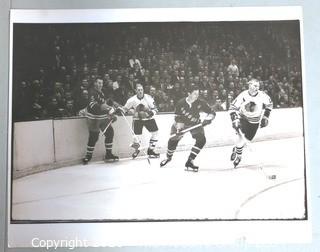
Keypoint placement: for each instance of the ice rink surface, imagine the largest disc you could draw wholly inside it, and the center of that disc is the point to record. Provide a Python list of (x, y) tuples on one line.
[(136, 190)]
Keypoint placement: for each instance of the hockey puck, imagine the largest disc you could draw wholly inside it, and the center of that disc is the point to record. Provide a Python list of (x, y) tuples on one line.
[(272, 176)]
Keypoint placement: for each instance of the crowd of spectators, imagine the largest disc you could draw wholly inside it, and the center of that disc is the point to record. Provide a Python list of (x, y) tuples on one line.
[(55, 64)]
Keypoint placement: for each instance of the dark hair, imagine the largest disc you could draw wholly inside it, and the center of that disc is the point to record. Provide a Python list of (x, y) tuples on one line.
[(192, 87), (98, 78)]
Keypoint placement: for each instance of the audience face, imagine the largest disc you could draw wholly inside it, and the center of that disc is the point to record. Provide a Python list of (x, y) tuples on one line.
[(98, 84), (152, 91), (54, 102), (85, 84), (85, 94)]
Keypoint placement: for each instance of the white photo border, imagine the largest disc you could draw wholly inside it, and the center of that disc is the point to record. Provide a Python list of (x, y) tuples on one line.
[(161, 233)]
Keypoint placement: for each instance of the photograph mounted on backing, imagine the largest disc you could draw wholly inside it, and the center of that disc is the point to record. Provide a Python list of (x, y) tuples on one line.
[(157, 121)]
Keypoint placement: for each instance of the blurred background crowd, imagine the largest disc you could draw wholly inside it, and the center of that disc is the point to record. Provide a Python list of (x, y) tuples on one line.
[(54, 65)]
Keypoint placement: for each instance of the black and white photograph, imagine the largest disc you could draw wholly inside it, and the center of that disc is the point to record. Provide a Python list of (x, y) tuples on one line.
[(162, 121)]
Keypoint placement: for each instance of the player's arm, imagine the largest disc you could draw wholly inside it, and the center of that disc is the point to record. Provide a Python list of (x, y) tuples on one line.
[(267, 105), (129, 107), (180, 118), (234, 111), (211, 114), (152, 109)]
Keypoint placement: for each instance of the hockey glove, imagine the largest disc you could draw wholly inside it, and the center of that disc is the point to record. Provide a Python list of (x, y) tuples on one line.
[(111, 111), (120, 110), (105, 107), (179, 127), (150, 113), (235, 121), (264, 122), (83, 112), (113, 118), (142, 115), (206, 122)]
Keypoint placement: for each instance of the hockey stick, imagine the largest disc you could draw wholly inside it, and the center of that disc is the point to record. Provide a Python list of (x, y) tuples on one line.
[(185, 130), (247, 144), (105, 129), (133, 134)]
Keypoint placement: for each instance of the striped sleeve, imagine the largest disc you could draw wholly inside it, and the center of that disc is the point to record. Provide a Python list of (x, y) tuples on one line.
[(268, 104)]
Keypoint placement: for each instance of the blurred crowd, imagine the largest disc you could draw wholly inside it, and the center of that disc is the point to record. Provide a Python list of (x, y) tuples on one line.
[(55, 64)]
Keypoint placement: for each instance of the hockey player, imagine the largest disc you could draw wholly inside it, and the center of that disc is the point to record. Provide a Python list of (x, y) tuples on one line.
[(248, 111), (143, 109), (187, 114), (100, 117)]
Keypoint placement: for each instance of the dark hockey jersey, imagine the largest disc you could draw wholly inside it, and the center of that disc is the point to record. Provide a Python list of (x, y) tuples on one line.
[(191, 115), (96, 99)]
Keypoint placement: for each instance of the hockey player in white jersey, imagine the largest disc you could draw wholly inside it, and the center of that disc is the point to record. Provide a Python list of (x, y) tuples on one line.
[(248, 111), (143, 109)]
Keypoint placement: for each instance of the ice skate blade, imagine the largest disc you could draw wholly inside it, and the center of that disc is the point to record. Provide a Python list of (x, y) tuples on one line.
[(164, 162), (111, 160), (189, 169), (154, 156)]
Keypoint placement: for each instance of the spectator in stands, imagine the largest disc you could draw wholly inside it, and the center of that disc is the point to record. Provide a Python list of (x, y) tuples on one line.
[(134, 62), (69, 110), (53, 110), (233, 69), (82, 101), (217, 106), (216, 65)]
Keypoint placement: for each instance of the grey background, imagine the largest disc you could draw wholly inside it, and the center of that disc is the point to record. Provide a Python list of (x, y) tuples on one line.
[(311, 28)]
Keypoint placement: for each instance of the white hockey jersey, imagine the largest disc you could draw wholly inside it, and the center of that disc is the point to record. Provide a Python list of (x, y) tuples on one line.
[(251, 107), (147, 101)]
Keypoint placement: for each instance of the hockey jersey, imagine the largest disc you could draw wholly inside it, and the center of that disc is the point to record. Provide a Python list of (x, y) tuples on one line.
[(147, 101), (190, 114), (93, 110), (251, 107)]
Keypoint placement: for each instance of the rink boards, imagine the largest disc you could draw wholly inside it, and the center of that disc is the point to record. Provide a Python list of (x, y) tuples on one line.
[(48, 144)]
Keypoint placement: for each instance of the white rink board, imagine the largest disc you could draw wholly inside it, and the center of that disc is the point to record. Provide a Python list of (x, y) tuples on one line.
[(70, 137)]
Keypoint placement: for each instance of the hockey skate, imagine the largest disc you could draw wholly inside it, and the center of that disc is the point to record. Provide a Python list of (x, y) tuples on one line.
[(136, 152), (234, 154), (237, 161), (165, 161), (190, 164), (152, 154), (109, 157), (86, 159)]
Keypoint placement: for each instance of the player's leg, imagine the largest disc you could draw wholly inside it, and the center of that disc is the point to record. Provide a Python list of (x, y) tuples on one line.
[(247, 133), (152, 127), (172, 145), (137, 129), (93, 126), (199, 136), (108, 141)]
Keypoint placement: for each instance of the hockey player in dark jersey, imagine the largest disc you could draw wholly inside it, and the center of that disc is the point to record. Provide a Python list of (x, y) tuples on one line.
[(100, 116), (187, 114)]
